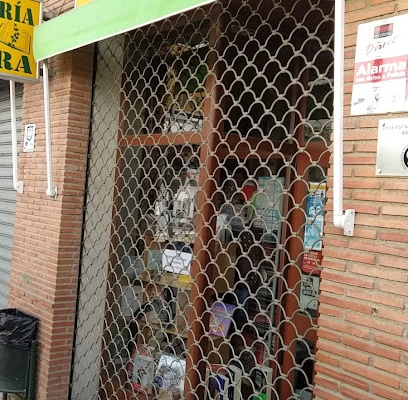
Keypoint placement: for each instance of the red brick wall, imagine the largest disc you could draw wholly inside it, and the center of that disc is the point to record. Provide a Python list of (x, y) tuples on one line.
[(362, 340), (58, 7), (48, 232)]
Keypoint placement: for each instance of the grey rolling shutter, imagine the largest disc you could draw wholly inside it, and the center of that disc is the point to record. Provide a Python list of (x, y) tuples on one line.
[(7, 193)]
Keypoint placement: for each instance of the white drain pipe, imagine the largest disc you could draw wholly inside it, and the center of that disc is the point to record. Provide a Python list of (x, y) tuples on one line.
[(51, 189), (18, 185), (340, 220)]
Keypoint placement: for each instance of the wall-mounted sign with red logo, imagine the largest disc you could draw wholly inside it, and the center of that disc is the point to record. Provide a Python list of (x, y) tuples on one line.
[(381, 67), (382, 31)]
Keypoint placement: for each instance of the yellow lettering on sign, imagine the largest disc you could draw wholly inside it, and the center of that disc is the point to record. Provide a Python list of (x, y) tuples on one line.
[(17, 21), (79, 3)]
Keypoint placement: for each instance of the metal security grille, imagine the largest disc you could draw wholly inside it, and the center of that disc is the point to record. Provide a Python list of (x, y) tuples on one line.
[(205, 205)]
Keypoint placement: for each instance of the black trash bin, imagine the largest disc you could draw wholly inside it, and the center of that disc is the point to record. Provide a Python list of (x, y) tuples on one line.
[(18, 348)]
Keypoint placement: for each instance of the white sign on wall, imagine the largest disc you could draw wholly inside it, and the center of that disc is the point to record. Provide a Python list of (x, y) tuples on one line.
[(381, 67), (29, 138), (392, 147)]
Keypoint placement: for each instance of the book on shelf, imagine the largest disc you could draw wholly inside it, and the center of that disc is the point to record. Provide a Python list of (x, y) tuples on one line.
[(309, 292), (262, 325), (131, 299), (170, 373), (313, 234), (156, 311), (311, 262), (141, 369), (235, 375), (223, 382), (251, 351), (221, 318), (315, 206), (268, 203), (262, 377), (217, 382), (316, 200), (177, 261), (154, 260)]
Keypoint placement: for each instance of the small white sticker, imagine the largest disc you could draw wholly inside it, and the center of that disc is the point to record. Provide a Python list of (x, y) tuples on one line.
[(29, 138)]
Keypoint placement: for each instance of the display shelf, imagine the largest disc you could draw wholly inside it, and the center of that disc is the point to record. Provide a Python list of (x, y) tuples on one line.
[(160, 139), (167, 327), (166, 279), (163, 236), (244, 262)]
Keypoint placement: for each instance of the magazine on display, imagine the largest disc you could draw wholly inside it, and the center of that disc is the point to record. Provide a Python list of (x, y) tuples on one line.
[(221, 318)]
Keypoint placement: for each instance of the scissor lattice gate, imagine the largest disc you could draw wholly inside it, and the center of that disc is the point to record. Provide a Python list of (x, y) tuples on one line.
[(205, 205)]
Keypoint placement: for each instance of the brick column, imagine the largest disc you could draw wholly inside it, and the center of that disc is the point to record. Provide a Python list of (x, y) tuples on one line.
[(47, 235)]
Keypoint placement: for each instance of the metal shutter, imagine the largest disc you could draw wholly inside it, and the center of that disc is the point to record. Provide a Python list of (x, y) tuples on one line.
[(7, 193)]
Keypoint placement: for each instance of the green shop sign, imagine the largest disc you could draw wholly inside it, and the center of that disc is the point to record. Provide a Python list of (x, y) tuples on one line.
[(100, 19)]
